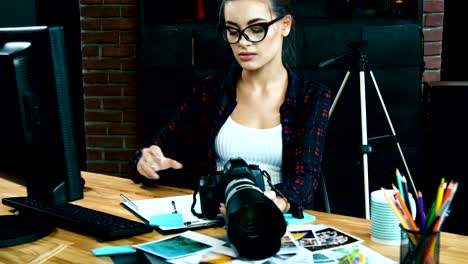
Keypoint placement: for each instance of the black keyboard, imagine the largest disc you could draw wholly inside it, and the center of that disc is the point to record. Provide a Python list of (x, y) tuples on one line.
[(75, 218)]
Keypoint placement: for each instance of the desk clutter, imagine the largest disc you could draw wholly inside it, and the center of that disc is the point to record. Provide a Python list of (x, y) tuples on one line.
[(300, 244), (420, 234)]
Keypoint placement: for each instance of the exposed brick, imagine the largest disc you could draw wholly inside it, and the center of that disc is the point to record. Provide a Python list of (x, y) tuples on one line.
[(100, 11), (130, 65), (433, 6), (129, 11), (90, 51), (94, 128), (431, 75), (122, 128), (118, 51), (100, 37), (433, 34), (129, 37), (123, 77), (122, 102), (119, 24), (101, 64), (90, 24), (432, 62), (92, 154), (104, 90), (104, 141), (91, 1), (106, 116), (432, 48), (120, 1), (123, 155), (95, 77), (434, 20), (92, 103)]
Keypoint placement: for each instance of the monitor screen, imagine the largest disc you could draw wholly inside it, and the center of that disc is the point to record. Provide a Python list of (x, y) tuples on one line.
[(38, 138)]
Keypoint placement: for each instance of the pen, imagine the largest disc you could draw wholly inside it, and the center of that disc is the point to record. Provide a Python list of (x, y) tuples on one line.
[(174, 206), (128, 201)]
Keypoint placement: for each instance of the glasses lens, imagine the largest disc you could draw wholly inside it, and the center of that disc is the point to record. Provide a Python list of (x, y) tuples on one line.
[(231, 35), (255, 33)]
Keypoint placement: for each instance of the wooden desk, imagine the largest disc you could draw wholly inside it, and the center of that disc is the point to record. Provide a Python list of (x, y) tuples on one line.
[(102, 193)]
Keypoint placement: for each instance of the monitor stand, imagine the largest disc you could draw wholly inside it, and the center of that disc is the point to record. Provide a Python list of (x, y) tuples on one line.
[(20, 229)]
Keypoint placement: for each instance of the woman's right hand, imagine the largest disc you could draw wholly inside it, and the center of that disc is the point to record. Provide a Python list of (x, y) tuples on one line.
[(152, 160)]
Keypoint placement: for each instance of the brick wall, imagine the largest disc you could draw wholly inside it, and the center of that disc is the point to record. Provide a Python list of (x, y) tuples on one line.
[(111, 82), (433, 21), (111, 77)]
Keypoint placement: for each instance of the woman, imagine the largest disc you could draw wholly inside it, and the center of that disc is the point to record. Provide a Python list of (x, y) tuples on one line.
[(260, 110)]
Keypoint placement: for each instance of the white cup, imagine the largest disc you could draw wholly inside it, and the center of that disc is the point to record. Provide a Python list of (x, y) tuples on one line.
[(385, 225)]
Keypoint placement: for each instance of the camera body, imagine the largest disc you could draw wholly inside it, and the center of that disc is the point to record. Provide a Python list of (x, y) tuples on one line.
[(218, 187), (253, 222)]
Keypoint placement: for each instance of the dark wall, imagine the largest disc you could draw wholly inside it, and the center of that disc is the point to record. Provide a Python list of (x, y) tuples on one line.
[(44, 12), (445, 142), (17, 13), (455, 55)]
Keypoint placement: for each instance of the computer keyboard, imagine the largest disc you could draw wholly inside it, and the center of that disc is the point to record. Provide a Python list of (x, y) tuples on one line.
[(75, 218)]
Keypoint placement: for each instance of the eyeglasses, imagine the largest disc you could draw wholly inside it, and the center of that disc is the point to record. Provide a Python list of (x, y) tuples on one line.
[(253, 33)]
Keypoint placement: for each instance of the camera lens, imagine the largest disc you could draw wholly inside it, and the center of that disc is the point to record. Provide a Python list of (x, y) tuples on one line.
[(254, 223)]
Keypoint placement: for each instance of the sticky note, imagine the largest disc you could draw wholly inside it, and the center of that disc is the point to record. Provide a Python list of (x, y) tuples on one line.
[(295, 221), (113, 250), (167, 220)]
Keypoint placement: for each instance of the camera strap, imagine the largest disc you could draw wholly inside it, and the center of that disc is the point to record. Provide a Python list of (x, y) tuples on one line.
[(194, 202)]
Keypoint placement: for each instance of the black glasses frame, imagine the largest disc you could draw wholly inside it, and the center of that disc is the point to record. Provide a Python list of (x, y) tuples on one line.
[(264, 25)]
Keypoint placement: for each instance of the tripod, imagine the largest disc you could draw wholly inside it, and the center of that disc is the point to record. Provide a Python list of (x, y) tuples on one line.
[(366, 149)]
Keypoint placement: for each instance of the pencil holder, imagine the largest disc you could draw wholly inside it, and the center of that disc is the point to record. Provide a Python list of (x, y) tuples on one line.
[(419, 247)]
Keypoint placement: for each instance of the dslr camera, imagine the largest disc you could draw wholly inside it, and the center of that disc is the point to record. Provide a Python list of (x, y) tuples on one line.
[(221, 186), (254, 224)]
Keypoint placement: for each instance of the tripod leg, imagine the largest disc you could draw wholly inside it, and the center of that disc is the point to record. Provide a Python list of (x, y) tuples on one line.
[(362, 93), (343, 83), (382, 103)]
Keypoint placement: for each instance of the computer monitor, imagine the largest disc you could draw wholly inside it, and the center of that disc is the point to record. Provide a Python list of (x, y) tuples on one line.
[(38, 137)]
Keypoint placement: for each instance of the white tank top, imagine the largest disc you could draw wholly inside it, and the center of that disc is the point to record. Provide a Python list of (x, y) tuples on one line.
[(263, 147)]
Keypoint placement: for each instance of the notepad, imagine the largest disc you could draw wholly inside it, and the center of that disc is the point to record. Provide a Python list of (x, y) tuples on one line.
[(160, 213)]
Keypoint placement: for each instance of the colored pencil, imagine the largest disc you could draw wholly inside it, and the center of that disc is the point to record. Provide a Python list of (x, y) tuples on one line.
[(405, 194), (440, 195), (397, 212), (398, 180), (407, 215), (422, 214)]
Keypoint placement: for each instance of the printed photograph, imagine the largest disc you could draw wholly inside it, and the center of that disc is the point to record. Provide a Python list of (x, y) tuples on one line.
[(287, 246), (330, 238), (174, 247), (305, 238)]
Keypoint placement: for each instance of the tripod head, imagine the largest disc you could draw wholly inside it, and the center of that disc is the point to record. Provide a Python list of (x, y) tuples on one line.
[(357, 48)]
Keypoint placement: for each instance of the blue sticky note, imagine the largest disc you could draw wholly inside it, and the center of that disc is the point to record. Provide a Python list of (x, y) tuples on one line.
[(113, 250), (167, 220), (295, 221)]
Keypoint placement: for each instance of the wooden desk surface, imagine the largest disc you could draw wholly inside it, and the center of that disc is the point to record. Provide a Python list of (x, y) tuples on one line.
[(102, 193)]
